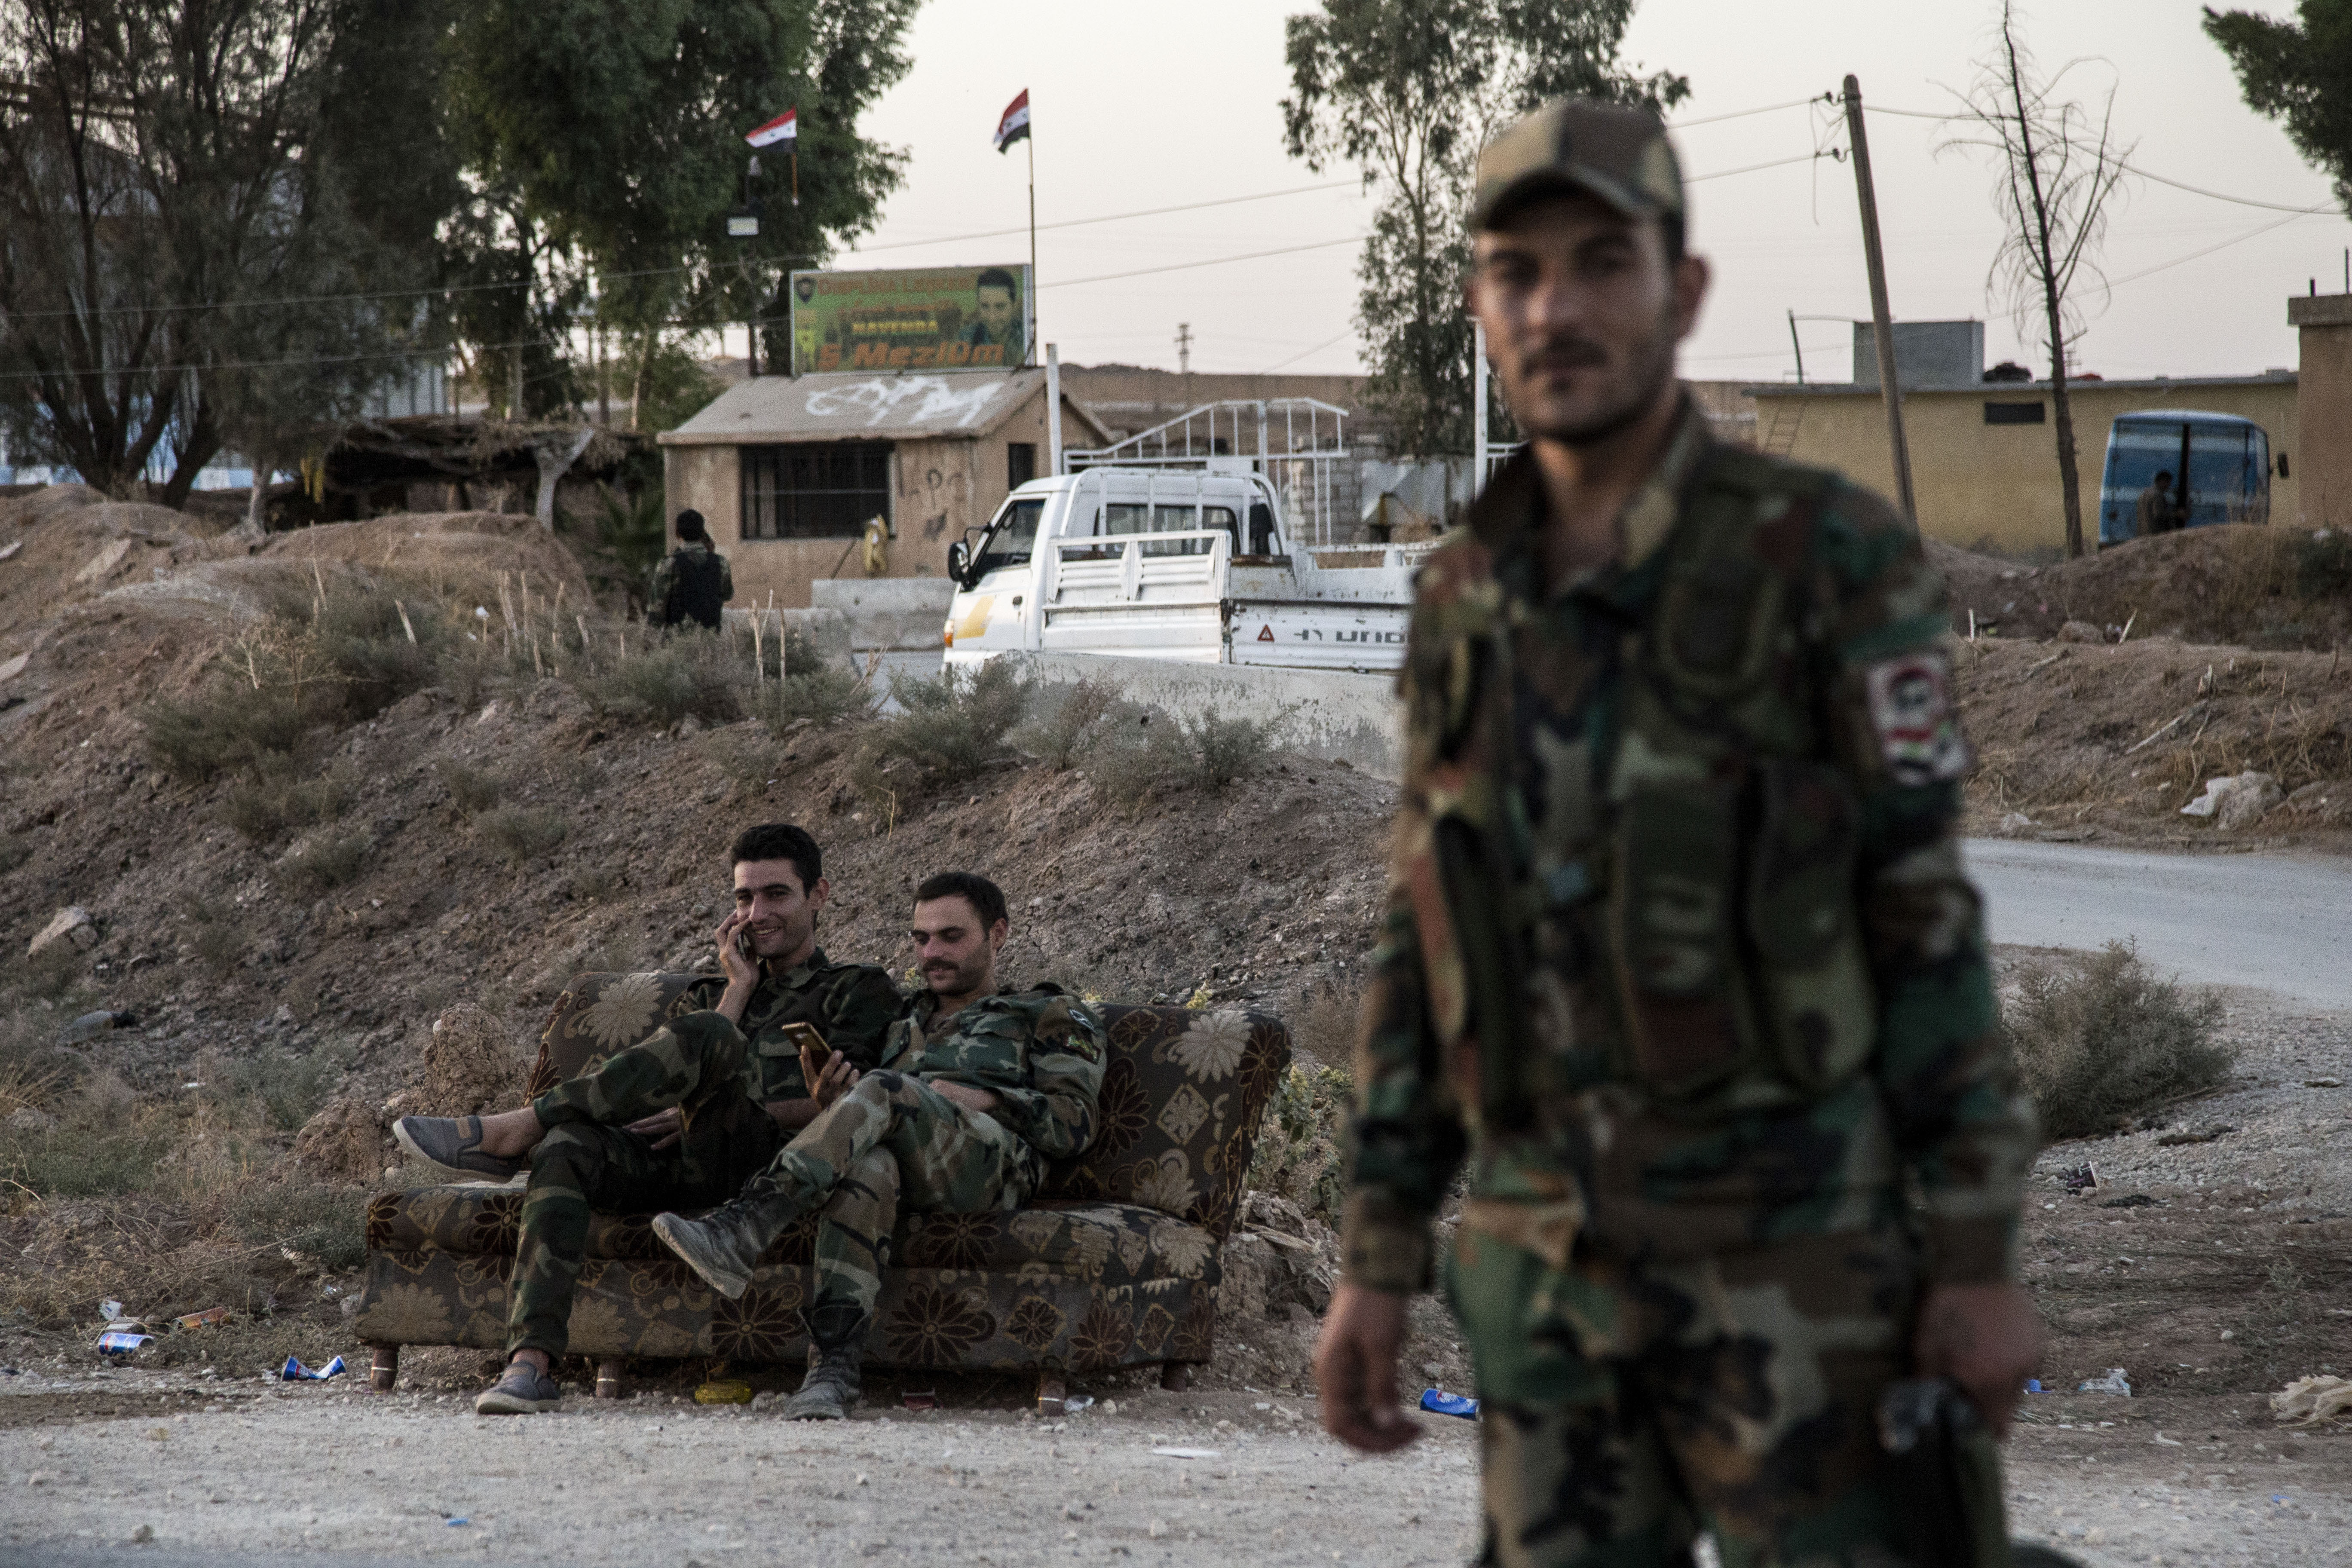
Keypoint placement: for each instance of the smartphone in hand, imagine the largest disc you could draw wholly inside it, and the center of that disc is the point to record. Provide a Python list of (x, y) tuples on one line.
[(810, 1042)]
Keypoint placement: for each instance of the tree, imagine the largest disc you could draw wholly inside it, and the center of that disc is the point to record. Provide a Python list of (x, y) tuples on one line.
[(2058, 167), (2299, 72), (604, 144), (1408, 90), (184, 252)]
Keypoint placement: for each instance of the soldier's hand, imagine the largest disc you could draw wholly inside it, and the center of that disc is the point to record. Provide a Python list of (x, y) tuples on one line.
[(664, 1127), (830, 1083), (1986, 1338), (1356, 1370), (741, 969)]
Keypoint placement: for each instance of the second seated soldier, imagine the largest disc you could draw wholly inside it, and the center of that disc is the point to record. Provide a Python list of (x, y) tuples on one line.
[(979, 1089), (685, 1116), (1681, 956)]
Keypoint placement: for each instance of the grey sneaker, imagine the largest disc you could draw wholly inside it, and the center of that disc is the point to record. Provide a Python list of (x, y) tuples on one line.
[(521, 1390), (454, 1144)]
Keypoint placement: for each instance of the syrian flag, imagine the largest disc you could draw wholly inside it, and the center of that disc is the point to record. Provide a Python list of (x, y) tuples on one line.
[(784, 127), (1015, 126)]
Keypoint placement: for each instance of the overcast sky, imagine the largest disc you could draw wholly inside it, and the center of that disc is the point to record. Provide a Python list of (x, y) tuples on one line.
[(1143, 106)]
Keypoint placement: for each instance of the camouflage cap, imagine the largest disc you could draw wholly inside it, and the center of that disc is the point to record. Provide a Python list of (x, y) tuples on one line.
[(1619, 155)]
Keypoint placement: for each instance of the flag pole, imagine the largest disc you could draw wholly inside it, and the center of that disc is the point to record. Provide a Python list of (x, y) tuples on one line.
[(1029, 349)]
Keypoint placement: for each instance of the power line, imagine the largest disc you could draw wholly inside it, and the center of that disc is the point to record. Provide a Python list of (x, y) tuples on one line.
[(1213, 261), (1834, 154), (1744, 113), (2113, 283), (1111, 217), (1302, 353)]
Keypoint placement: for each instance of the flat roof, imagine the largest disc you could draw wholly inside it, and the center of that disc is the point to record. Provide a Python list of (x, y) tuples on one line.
[(2014, 388), (854, 405)]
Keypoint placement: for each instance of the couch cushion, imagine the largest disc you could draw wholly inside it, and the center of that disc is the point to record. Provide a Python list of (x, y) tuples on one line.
[(1182, 1090), (1104, 1244)]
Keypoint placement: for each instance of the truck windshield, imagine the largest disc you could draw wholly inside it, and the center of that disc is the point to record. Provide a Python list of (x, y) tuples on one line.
[(1011, 537)]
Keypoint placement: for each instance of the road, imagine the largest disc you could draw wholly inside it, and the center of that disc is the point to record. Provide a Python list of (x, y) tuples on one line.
[(2278, 922)]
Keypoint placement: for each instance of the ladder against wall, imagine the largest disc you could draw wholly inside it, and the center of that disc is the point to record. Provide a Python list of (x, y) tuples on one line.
[(1781, 438)]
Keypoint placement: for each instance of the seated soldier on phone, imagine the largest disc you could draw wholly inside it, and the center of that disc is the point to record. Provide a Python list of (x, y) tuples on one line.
[(978, 1088), (682, 1119)]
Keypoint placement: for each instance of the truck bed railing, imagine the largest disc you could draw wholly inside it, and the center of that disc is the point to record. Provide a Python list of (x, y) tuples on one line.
[(1293, 445), (1126, 568)]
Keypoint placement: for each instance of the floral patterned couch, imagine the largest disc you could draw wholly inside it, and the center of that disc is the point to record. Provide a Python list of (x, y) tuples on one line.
[(1114, 1263)]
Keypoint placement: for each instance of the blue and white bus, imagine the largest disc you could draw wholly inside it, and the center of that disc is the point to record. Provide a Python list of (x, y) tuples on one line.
[(2219, 464)]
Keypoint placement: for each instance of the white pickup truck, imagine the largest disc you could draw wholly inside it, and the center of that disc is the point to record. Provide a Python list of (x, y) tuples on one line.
[(1171, 565)]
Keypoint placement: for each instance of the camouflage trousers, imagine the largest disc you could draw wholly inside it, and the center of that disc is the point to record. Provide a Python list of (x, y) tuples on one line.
[(589, 1160), (1630, 1406), (892, 1140)]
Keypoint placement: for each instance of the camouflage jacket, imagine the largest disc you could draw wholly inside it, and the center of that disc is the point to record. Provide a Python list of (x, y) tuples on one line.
[(657, 608), (1039, 1051), (1679, 951), (852, 1006)]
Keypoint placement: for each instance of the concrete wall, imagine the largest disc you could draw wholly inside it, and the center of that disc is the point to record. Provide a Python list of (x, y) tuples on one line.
[(2324, 474), (1353, 719), (1997, 486)]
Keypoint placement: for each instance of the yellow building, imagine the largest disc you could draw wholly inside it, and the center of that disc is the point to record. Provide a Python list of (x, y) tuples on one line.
[(1984, 457), (788, 472)]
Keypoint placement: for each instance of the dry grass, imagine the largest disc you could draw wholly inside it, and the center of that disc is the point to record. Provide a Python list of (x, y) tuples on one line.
[(2102, 1039), (323, 862), (1062, 736), (471, 790), (953, 730), (521, 832), (1134, 759)]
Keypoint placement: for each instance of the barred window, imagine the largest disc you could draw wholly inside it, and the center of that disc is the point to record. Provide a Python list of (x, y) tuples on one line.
[(827, 489)]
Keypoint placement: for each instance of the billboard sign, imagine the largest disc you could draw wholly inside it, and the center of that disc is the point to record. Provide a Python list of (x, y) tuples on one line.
[(920, 317)]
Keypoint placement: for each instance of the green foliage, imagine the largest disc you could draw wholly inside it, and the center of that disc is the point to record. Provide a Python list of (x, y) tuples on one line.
[(523, 834), (215, 932), (630, 537), (1409, 90), (284, 1089), (606, 139), (2299, 72), (2323, 564), (471, 790), (1062, 736), (953, 729), (1301, 1152), (91, 1151), (327, 1224), (236, 187), (691, 673), (262, 807), (671, 388), (1155, 753), (323, 862), (813, 693), (2100, 1040)]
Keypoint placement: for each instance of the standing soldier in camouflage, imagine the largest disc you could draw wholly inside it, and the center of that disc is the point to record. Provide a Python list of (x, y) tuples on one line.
[(691, 581), (685, 1117), (1679, 954), (979, 1089)]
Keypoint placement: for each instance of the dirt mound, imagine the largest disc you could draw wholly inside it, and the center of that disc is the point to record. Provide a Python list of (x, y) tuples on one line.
[(2079, 741), (460, 551), (2237, 584), (344, 1144), (472, 1063)]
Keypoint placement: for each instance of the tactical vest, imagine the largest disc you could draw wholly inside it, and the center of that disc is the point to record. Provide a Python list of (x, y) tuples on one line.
[(694, 588), (1723, 877)]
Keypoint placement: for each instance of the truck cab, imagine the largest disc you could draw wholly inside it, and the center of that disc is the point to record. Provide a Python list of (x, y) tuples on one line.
[(1190, 564)]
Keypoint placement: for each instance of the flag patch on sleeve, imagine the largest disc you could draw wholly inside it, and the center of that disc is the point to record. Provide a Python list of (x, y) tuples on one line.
[(1912, 714)]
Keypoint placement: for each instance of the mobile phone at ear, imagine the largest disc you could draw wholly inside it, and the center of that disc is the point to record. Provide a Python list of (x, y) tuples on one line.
[(743, 944)]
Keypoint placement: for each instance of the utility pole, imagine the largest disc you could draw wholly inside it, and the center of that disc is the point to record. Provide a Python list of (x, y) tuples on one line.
[(1183, 348), (1799, 346), (1881, 319)]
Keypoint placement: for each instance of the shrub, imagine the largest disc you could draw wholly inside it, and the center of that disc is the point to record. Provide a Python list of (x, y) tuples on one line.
[(471, 790), (1061, 737), (2100, 1038), (692, 674), (744, 754), (326, 1225), (1301, 1145), (224, 725), (324, 861), (2322, 567), (283, 1089), (263, 806), (214, 931), (92, 1151), (952, 729), (811, 690), (522, 833), (1132, 761)]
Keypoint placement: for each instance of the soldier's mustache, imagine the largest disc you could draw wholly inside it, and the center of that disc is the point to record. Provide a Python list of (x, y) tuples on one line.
[(1567, 354)]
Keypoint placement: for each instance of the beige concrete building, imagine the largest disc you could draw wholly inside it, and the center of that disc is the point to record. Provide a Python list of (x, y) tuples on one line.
[(788, 472), (2323, 323), (1984, 462)]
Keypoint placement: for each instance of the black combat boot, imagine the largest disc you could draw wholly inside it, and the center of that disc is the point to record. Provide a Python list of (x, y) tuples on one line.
[(724, 1246), (831, 1387)]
